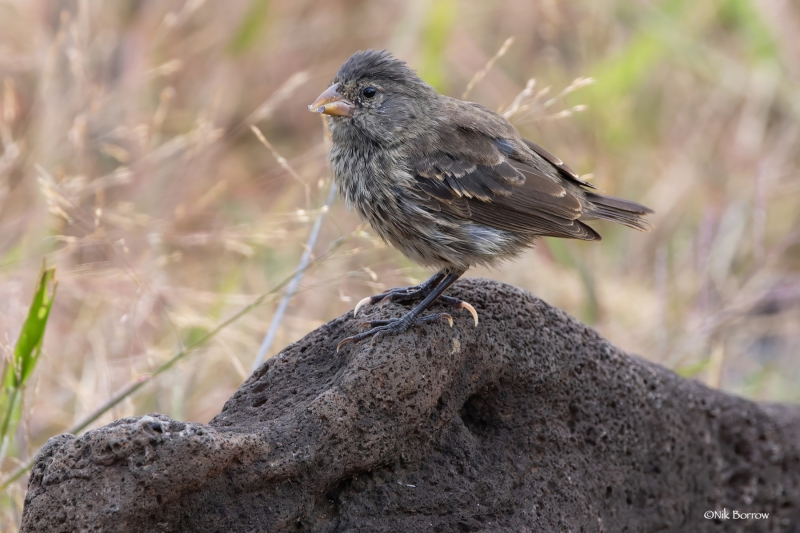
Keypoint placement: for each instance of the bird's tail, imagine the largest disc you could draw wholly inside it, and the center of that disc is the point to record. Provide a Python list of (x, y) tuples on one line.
[(617, 210)]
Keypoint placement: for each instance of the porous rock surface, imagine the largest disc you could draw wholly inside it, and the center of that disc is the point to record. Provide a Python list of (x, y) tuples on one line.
[(529, 422)]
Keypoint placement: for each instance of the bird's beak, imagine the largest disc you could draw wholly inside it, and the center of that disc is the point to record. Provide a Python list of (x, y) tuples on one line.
[(331, 102)]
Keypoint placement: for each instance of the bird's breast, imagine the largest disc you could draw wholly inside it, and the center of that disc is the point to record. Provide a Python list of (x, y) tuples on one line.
[(370, 180), (377, 185)]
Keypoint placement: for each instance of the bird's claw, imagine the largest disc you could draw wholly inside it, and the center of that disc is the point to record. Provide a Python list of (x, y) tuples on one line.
[(472, 311), (448, 318), (343, 342), (362, 303)]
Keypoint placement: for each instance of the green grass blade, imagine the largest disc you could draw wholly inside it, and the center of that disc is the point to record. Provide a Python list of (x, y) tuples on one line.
[(29, 343), (26, 354)]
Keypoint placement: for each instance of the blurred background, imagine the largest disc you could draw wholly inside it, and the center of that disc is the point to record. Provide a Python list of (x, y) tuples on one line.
[(128, 161)]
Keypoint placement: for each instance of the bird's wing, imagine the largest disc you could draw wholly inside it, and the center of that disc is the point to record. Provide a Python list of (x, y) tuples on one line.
[(563, 169), (477, 171)]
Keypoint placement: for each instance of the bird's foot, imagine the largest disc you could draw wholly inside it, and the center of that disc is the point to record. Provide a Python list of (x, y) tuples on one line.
[(409, 294), (397, 325), (400, 295), (429, 291)]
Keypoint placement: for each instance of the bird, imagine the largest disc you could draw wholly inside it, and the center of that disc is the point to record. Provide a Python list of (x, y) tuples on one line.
[(450, 184)]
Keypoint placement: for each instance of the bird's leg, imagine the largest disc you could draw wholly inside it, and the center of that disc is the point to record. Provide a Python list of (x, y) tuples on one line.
[(417, 292), (401, 324), (403, 294), (447, 300)]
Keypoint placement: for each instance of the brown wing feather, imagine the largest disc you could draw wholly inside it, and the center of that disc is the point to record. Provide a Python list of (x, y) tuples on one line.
[(510, 196), (483, 171)]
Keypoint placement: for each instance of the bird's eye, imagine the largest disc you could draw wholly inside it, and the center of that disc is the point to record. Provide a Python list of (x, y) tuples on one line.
[(369, 92)]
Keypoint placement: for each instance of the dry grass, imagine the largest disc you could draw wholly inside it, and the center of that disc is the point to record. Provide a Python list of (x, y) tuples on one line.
[(128, 161)]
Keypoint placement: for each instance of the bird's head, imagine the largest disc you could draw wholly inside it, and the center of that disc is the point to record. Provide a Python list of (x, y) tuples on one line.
[(377, 96)]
